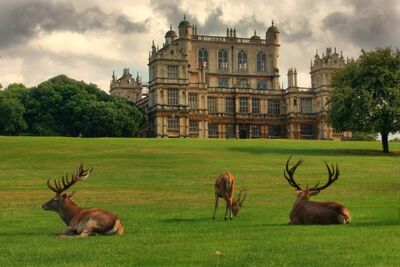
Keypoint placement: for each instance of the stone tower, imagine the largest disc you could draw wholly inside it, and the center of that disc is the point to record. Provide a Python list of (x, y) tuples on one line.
[(322, 70), (272, 38), (323, 67), (126, 86)]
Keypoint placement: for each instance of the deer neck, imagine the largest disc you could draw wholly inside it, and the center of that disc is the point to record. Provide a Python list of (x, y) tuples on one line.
[(69, 210), (301, 200)]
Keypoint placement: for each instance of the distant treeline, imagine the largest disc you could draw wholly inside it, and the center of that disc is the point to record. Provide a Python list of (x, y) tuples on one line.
[(64, 107)]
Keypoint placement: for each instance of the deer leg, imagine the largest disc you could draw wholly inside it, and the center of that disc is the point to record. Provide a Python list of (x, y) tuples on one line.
[(216, 205), (226, 210), (230, 211), (85, 233), (67, 232)]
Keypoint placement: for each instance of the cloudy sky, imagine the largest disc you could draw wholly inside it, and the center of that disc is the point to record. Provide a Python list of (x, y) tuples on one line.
[(87, 40)]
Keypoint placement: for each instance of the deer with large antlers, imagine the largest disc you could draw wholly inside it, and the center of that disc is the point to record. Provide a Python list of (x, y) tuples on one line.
[(80, 221), (305, 211), (225, 188)]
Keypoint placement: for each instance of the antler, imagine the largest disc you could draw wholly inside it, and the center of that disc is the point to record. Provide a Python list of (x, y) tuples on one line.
[(290, 173), (240, 201), (63, 184), (333, 175)]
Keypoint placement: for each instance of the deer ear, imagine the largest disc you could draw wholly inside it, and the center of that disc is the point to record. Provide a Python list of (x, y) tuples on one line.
[(314, 192)]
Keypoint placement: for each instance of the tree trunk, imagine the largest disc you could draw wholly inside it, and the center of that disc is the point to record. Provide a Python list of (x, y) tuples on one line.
[(385, 142)]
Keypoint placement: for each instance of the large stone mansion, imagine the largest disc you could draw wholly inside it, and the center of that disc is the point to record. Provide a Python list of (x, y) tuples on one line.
[(228, 87)]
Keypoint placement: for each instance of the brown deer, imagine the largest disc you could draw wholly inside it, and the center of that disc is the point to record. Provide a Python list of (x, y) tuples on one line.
[(305, 211), (225, 188), (80, 221)]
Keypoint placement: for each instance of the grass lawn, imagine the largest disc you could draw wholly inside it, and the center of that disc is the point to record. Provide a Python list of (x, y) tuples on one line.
[(162, 189)]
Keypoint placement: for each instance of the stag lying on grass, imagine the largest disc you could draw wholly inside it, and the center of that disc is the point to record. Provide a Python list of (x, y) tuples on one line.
[(225, 188), (80, 221), (314, 212)]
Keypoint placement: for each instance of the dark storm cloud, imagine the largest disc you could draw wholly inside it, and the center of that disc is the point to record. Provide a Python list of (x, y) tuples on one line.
[(367, 24), (214, 23), (21, 20), (296, 30)]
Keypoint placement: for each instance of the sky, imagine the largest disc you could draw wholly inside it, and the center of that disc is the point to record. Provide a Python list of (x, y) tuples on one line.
[(87, 40)]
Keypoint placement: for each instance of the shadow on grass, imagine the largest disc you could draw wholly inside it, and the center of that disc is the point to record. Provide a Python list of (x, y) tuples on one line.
[(25, 234), (315, 152), (375, 223)]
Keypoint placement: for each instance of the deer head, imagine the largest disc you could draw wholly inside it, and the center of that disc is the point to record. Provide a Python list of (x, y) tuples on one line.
[(59, 187), (237, 204), (333, 175)]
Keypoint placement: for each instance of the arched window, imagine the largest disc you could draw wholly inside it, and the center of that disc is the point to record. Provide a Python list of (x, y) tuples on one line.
[(242, 60), (222, 59), (261, 61), (203, 57)]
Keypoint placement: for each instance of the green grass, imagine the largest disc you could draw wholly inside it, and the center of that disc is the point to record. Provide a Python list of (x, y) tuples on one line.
[(163, 192)]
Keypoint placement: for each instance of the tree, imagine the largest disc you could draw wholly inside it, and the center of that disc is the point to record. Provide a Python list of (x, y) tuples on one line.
[(366, 95), (63, 106), (11, 116), (12, 109)]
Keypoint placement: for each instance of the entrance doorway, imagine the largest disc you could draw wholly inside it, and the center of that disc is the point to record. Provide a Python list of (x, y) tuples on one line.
[(243, 131)]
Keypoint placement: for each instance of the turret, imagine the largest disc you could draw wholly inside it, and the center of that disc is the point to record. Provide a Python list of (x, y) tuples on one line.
[(170, 36), (185, 29), (272, 35)]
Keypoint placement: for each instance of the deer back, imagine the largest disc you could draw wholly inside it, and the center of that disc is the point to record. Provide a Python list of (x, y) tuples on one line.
[(314, 212), (225, 186)]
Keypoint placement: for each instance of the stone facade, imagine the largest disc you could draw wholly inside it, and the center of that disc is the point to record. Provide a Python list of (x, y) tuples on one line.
[(228, 87), (126, 86)]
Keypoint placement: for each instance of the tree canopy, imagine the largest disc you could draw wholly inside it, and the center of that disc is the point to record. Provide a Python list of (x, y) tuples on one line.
[(63, 106), (366, 94)]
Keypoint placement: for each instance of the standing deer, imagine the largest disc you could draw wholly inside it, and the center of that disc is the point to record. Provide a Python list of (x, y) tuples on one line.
[(305, 211), (80, 221), (225, 188)]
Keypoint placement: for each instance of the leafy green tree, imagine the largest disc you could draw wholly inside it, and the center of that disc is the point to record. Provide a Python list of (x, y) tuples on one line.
[(11, 115), (63, 106), (366, 95)]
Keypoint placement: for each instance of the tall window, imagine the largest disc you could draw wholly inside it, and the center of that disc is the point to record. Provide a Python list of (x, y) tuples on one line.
[(222, 59), (243, 83), (173, 96), (229, 131), (194, 127), (244, 105), (306, 130), (212, 130), (262, 84), (172, 71), (255, 129), (274, 107), (173, 123), (261, 61), (193, 101), (274, 131), (203, 57), (229, 105), (306, 105), (212, 105), (255, 105), (223, 83), (242, 60)]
